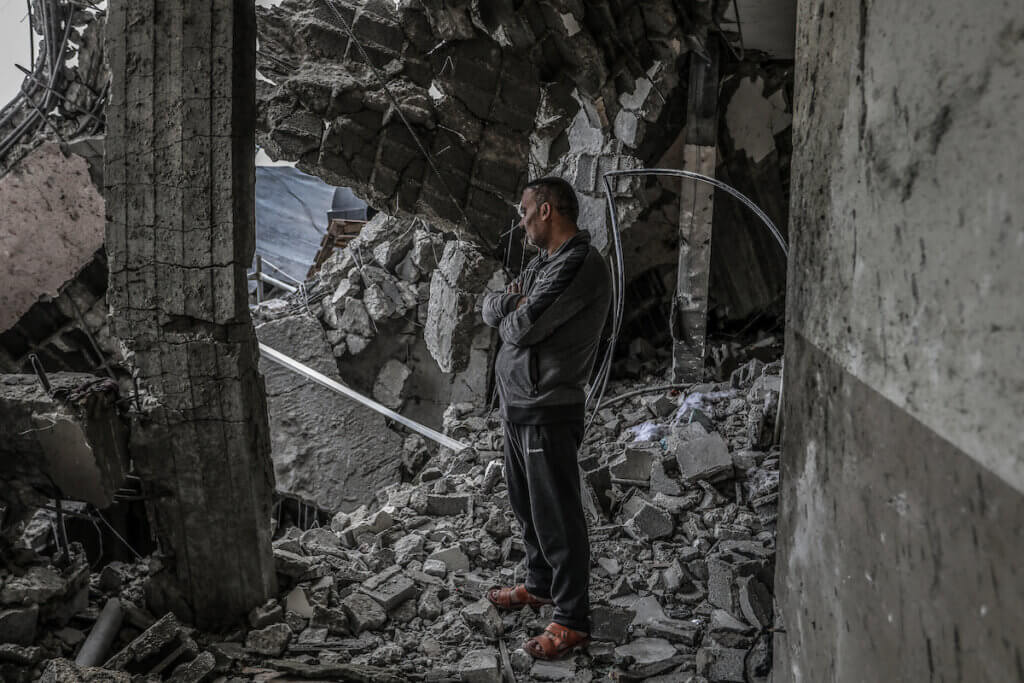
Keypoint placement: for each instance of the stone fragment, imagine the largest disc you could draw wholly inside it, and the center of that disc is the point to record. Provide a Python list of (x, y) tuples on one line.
[(720, 578), (65, 671), (483, 618), (265, 615), (480, 666), (611, 623), (408, 548), (195, 671), (25, 656), (435, 567), (313, 635), (389, 388), (446, 505), (452, 313), (497, 524), (633, 465), (661, 483), (429, 607), (379, 306), (37, 585), (649, 523), (393, 591), (651, 655), (705, 458), (660, 406), (18, 625), (557, 670), (270, 641), (453, 557), (320, 541), (363, 612), (721, 665), (755, 602), (163, 637), (334, 620), (292, 565)]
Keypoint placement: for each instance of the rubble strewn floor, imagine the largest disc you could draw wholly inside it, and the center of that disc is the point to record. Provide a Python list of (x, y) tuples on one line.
[(682, 492)]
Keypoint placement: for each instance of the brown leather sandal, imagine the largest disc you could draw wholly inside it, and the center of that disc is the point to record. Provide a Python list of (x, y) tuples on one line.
[(556, 642), (516, 597)]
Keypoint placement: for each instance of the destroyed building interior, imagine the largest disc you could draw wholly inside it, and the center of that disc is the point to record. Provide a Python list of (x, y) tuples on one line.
[(248, 406)]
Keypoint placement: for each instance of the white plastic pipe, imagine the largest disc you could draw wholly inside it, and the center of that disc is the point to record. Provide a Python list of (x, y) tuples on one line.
[(305, 370), (102, 635)]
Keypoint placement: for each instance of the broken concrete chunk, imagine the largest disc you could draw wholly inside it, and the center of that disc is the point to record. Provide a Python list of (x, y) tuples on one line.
[(389, 388), (408, 548), (363, 612), (453, 504), (155, 644), (633, 465), (705, 458), (37, 585), (195, 671), (661, 482), (435, 567), (483, 618), (334, 620), (556, 670), (755, 602), (480, 666), (393, 591), (719, 664), (265, 615), (453, 557), (648, 653), (270, 641), (649, 523), (611, 623), (292, 565), (298, 602), (65, 671), (18, 625)]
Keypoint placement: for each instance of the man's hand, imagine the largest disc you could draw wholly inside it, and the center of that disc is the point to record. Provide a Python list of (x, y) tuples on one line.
[(514, 287), (522, 300)]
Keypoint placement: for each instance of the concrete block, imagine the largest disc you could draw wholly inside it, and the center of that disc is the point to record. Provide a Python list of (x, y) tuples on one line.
[(703, 458), (634, 464), (270, 641), (755, 602), (453, 557), (649, 523), (721, 665), (18, 625), (435, 567), (483, 618), (265, 615), (611, 623), (199, 669), (393, 591), (480, 666), (363, 612), (452, 504)]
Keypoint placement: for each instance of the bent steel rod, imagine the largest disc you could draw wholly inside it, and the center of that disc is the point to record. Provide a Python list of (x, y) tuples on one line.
[(308, 372)]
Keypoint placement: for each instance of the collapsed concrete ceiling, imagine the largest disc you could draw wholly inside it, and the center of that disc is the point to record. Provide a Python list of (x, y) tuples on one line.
[(496, 92)]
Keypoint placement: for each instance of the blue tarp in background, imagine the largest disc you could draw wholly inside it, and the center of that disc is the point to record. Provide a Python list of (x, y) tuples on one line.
[(291, 216)]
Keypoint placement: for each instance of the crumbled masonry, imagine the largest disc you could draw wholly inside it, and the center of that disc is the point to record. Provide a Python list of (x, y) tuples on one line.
[(394, 590)]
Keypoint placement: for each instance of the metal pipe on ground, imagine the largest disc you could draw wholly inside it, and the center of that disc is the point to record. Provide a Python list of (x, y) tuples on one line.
[(101, 637), (301, 369)]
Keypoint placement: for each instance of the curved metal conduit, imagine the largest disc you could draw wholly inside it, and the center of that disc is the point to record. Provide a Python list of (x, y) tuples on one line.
[(618, 269)]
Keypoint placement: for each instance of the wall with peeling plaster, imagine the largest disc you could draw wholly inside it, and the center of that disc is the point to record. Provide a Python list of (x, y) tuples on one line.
[(901, 525)]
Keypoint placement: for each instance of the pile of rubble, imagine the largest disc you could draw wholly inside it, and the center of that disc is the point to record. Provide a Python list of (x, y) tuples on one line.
[(681, 495)]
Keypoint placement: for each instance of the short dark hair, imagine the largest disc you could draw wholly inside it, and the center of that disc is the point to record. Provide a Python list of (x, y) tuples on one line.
[(557, 192)]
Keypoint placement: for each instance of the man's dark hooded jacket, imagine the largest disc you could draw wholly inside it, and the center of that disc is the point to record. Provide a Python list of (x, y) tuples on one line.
[(550, 343)]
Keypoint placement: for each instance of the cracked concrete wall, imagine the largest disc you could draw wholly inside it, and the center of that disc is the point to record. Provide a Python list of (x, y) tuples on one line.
[(903, 471)]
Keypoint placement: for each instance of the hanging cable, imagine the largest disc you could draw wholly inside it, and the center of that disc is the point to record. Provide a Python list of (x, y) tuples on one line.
[(600, 383)]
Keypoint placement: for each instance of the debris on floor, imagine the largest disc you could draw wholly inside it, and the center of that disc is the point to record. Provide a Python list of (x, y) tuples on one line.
[(681, 490)]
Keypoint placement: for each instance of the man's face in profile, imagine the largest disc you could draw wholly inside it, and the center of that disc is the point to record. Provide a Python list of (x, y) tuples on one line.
[(535, 218)]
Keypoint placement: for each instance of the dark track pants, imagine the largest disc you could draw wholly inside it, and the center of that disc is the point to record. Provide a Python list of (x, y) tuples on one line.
[(544, 489)]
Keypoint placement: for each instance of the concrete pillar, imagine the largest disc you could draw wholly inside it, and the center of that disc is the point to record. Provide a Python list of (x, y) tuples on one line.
[(901, 529), (689, 316), (179, 190)]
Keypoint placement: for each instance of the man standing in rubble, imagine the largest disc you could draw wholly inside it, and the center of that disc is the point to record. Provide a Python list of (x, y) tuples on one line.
[(550, 321)]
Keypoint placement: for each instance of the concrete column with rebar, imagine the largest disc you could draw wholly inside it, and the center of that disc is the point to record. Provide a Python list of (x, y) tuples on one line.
[(180, 234)]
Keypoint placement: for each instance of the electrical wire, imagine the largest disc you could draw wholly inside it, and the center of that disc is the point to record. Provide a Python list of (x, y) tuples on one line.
[(600, 383)]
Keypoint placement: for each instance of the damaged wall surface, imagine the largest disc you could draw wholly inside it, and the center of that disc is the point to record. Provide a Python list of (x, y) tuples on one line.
[(51, 223), (903, 472)]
